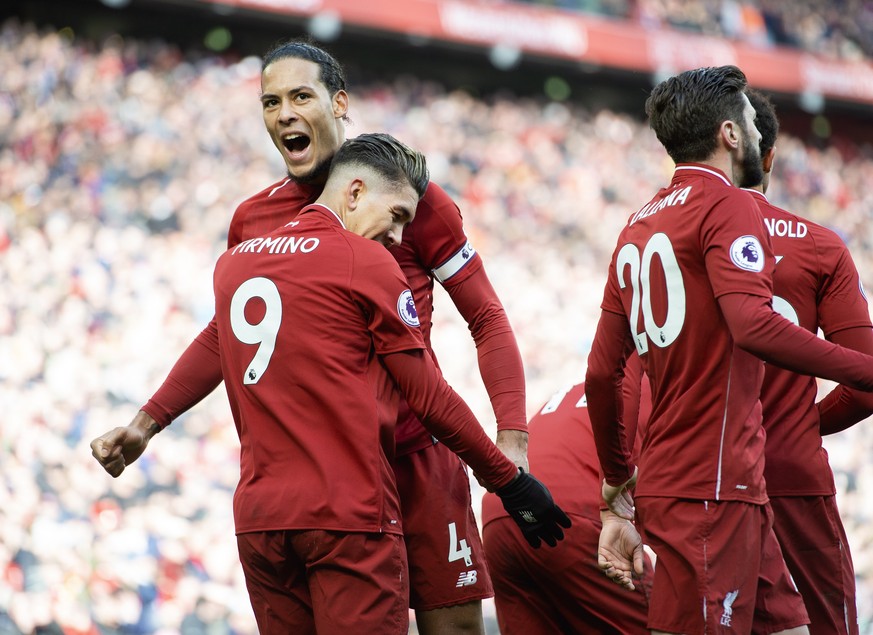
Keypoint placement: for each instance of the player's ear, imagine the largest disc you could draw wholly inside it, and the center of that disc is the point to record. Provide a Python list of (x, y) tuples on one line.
[(767, 160), (340, 104), (729, 134), (354, 192)]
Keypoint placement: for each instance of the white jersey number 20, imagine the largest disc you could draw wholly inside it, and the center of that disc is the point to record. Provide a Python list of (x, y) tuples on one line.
[(264, 332), (637, 268)]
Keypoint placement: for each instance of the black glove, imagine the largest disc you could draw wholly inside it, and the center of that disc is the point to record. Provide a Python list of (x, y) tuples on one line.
[(530, 505)]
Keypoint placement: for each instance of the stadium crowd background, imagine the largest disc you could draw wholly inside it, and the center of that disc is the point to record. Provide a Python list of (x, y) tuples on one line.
[(841, 28), (121, 162)]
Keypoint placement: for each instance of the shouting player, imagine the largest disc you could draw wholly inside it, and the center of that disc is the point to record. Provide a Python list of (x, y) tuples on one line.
[(304, 103)]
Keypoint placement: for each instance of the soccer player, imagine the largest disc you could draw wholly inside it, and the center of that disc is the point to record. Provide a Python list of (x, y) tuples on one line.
[(815, 285), (304, 103), (562, 590), (690, 286), (309, 318)]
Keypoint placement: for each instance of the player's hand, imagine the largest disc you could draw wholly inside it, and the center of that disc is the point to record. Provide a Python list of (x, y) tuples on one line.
[(530, 505), (120, 447), (620, 550), (618, 497), (513, 443)]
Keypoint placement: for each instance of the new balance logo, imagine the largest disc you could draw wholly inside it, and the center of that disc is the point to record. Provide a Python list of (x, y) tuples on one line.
[(727, 605), (467, 578), (528, 516)]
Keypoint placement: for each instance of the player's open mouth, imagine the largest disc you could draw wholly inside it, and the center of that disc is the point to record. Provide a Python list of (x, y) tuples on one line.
[(295, 143)]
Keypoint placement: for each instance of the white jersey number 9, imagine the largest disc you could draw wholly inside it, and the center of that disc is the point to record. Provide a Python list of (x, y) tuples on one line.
[(638, 269), (264, 332)]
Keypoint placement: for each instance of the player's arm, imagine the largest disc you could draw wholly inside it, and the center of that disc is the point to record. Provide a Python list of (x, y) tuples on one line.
[(193, 377), (196, 374), (604, 388), (843, 407), (756, 328), (443, 248), (500, 363), (447, 417)]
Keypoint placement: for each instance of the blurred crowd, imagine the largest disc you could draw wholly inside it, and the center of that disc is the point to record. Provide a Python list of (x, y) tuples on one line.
[(837, 28), (120, 166)]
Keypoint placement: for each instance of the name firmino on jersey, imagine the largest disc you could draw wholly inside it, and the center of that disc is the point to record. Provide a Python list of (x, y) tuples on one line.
[(676, 197), (277, 245)]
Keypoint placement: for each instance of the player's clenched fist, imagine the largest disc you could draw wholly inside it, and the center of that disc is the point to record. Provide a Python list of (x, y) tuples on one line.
[(120, 447)]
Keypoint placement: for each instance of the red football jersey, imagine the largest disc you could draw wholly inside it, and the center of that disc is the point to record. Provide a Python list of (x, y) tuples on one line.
[(301, 315), (696, 240), (815, 285), (434, 246), (561, 447), (269, 209)]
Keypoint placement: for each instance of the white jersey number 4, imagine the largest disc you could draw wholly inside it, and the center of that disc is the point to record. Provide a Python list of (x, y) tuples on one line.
[(459, 549), (637, 268)]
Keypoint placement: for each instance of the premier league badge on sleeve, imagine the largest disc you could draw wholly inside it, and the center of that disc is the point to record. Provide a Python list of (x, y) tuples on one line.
[(406, 308), (746, 253)]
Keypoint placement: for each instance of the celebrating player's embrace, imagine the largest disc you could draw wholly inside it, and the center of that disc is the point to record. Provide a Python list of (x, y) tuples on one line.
[(316, 324), (353, 504)]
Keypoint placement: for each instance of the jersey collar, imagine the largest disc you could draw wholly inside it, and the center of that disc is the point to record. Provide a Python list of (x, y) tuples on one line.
[(756, 193), (689, 168), (325, 210)]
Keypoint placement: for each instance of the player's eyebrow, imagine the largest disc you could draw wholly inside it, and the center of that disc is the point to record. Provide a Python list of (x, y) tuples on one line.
[(291, 92)]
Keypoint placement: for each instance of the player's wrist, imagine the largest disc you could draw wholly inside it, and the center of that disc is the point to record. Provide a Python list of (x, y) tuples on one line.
[(145, 424)]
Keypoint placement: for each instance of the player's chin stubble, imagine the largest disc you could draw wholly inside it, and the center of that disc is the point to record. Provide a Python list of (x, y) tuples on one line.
[(318, 174)]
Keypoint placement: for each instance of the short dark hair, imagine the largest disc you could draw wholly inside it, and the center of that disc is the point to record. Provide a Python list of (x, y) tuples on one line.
[(686, 110), (332, 74), (765, 119), (388, 156)]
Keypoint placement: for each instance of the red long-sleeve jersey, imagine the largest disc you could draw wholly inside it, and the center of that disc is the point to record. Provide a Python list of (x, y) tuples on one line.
[(434, 247)]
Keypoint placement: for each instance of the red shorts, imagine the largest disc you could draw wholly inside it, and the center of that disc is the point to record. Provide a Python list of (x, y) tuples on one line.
[(816, 551), (310, 581), (549, 591), (446, 559), (717, 563)]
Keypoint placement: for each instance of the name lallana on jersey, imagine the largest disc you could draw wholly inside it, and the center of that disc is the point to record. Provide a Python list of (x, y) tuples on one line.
[(676, 197), (277, 245)]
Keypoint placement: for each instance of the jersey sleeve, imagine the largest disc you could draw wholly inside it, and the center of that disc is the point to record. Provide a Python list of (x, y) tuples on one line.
[(448, 417), (611, 293), (758, 329), (443, 248), (843, 407), (842, 303), (499, 359), (381, 290), (736, 246), (604, 387), (440, 241), (196, 374)]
